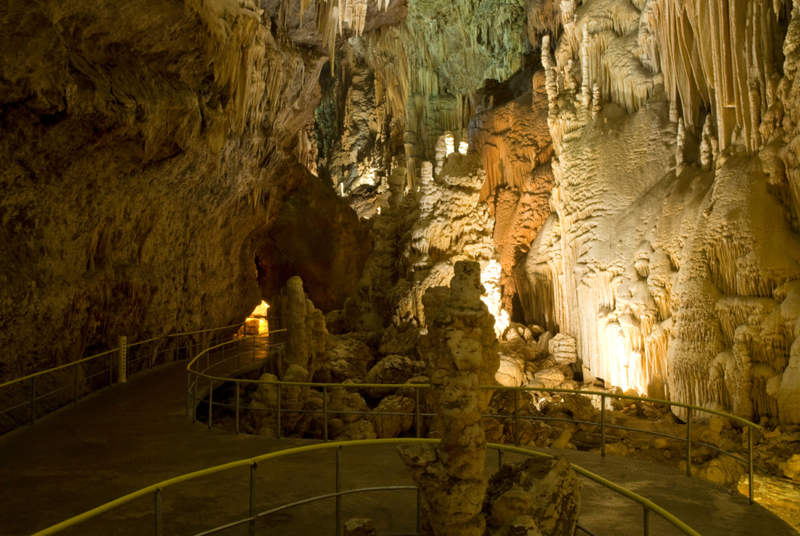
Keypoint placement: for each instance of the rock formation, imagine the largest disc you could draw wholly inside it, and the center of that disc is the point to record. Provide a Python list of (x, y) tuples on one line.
[(297, 360), (460, 352), (543, 497)]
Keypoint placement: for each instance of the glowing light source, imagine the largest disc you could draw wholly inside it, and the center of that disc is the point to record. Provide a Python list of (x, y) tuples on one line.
[(463, 147), (259, 314)]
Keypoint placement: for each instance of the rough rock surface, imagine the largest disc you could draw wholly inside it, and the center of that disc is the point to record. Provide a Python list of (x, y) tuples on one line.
[(346, 358), (461, 353), (140, 163), (391, 369), (548, 492)]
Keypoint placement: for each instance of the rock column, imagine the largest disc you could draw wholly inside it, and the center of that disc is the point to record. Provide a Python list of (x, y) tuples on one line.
[(460, 352)]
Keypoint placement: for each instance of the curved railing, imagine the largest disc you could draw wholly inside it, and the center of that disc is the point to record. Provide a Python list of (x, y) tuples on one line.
[(128, 358), (156, 490), (194, 400)]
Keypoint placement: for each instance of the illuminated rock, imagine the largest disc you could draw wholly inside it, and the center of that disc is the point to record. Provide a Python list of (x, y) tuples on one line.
[(461, 354)]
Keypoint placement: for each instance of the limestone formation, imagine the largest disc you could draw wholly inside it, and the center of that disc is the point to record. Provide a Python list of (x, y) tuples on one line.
[(564, 349), (297, 361), (460, 351), (393, 369), (546, 492)]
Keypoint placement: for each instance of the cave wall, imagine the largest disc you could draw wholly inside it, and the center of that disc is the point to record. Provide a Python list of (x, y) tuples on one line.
[(644, 191), (146, 149), (673, 248)]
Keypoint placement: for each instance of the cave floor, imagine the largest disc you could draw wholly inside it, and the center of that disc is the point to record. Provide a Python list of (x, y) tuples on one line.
[(133, 435)]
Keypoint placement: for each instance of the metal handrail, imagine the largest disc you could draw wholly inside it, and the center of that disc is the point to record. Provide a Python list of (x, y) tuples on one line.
[(211, 379), (42, 372), (157, 489), (122, 348)]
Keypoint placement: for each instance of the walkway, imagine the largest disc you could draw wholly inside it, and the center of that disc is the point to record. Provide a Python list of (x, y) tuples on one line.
[(125, 438)]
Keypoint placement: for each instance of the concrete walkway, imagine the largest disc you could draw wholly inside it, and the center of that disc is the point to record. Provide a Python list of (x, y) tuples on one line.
[(130, 436)]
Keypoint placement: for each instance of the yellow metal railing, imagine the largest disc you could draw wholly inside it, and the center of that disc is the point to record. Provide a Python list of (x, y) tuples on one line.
[(211, 380), (120, 363), (156, 490)]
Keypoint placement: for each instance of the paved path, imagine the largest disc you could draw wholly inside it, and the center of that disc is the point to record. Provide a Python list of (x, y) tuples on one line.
[(125, 438)]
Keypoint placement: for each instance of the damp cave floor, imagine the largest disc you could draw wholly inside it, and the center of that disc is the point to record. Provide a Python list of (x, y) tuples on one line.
[(127, 437)]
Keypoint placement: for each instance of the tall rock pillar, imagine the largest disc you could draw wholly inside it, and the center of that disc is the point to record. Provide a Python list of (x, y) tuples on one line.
[(460, 352)]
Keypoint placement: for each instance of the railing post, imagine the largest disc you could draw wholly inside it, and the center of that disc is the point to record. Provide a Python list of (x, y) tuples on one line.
[(419, 511), (33, 400), (237, 407), (338, 531), (188, 391), (122, 360), (416, 413), (325, 412), (516, 417), (501, 457), (222, 363), (159, 523), (254, 349), (751, 487), (602, 424), (689, 443), (195, 404), (646, 521), (110, 370), (279, 411), (238, 354), (75, 395), (210, 402), (253, 498)]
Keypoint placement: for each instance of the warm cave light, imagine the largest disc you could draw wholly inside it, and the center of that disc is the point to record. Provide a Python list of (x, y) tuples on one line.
[(379, 210), (463, 147), (260, 314)]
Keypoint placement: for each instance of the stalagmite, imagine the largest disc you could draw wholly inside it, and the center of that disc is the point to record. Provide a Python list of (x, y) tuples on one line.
[(585, 81), (460, 351), (596, 108)]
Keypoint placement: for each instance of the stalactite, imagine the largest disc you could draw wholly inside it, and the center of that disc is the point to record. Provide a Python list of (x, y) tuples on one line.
[(680, 144)]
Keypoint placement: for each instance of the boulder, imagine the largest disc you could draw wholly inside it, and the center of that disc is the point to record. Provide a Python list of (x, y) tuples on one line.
[(724, 471), (343, 402), (550, 378), (392, 369), (388, 426), (580, 407), (353, 431), (791, 468), (345, 359), (511, 372), (564, 349), (547, 491)]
